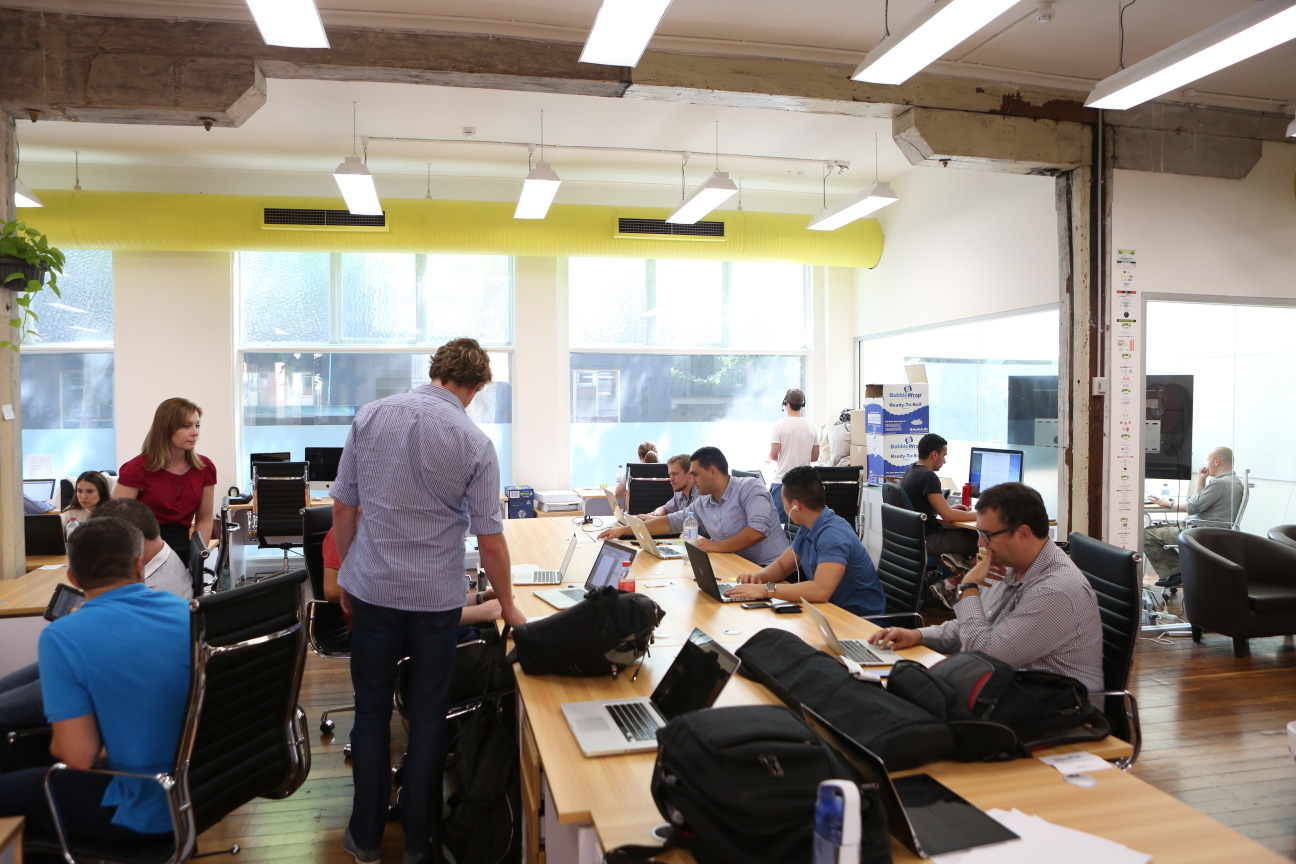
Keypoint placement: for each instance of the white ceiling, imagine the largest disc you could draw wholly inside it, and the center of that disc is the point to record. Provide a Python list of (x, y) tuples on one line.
[(292, 144)]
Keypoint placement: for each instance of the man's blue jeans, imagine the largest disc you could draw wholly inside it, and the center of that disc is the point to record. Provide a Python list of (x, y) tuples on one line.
[(380, 637)]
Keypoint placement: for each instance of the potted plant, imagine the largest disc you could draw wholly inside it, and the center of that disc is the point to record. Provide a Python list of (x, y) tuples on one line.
[(27, 262)]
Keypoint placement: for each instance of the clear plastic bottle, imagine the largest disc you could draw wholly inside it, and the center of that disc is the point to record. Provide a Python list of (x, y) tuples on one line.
[(690, 531), (72, 525)]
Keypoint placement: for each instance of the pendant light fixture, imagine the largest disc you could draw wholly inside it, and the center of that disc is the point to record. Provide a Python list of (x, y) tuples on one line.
[(355, 181), (712, 192), (926, 37), (540, 186), (859, 205)]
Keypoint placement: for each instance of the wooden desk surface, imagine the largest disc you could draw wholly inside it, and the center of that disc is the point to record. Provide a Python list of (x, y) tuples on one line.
[(11, 838), (35, 562), (29, 594)]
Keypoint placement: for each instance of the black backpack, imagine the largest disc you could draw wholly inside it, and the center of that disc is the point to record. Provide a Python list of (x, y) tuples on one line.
[(738, 786), (998, 712), (601, 635)]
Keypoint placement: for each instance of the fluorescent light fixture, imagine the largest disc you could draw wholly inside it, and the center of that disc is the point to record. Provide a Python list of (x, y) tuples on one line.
[(713, 192), (926, 37), (622, 30), (289, 23), (857, 206), (357, 186), (24, 196), (538, 191), (1256, 29)]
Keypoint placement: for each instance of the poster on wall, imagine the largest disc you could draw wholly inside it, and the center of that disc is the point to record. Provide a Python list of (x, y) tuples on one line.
[(1125, 409)]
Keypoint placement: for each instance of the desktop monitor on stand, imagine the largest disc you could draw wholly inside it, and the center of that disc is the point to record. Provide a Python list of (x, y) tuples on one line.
[(990, 467), (323, 462)]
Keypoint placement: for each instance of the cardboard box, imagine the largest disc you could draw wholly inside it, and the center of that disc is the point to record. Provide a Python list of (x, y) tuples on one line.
[(858, 454), (895, 417), (520, 502)]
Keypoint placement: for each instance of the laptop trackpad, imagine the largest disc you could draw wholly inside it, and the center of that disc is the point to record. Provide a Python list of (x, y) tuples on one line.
[(591, 724)]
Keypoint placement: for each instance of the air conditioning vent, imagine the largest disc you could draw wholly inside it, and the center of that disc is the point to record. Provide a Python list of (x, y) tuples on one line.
[(660, 229), (286, 218)]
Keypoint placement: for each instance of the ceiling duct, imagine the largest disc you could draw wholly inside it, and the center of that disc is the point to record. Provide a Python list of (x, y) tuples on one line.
[(660, 229), (291, 219)]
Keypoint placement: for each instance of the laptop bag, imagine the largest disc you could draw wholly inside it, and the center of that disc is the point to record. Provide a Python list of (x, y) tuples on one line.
[(601, 635)]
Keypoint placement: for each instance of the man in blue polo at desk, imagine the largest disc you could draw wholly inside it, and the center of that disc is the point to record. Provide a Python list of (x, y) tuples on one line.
[(736, 513), (115, 678), (837, 563)]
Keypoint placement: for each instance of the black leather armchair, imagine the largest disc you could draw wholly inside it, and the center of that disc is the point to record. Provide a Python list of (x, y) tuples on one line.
[(1237, 584), (1285, 534)]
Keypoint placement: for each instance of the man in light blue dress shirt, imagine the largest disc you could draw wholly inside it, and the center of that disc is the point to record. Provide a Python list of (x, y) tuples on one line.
[(736, 513), (423, 474)]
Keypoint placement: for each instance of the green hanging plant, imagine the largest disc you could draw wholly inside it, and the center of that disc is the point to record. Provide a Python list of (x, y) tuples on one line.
[(27, 264)]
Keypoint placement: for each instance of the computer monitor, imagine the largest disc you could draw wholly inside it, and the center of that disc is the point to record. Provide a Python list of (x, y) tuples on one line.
[(265, 457), (323, 462), (990, 467)]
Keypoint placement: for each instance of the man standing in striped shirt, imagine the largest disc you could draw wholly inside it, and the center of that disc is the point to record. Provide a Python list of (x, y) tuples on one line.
[(423, 474), (1024, 602)]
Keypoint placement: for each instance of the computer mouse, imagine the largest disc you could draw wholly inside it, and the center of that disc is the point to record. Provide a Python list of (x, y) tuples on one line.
[(1080, 780)]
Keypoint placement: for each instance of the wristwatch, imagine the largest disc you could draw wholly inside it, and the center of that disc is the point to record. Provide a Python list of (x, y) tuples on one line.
[(964, 586), (769, 589)]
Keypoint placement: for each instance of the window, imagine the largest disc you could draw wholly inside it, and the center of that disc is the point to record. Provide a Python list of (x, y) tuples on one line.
[(681, 353), (67, 371), (325, 333)]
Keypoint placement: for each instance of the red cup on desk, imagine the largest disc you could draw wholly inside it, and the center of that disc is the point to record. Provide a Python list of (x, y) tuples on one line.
[(624, 581)]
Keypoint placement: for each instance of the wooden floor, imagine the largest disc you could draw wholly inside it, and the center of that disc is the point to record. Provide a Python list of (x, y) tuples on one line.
[(1214, 730)]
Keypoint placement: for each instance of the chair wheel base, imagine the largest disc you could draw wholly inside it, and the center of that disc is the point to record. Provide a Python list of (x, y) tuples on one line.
[(346, 752), (327, 727)]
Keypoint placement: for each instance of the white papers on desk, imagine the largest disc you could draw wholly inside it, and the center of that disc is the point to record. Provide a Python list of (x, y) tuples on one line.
[(1041, 840)]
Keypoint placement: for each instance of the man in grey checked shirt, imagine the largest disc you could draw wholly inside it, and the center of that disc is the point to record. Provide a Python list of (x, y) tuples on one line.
[(423, 474), (1024, 602)]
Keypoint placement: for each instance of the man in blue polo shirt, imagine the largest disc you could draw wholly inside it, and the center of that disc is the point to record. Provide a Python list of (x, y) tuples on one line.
[(115, 678), (838, 565)]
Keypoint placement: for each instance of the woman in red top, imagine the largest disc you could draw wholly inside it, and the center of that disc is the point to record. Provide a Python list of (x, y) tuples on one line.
[(171, 478)]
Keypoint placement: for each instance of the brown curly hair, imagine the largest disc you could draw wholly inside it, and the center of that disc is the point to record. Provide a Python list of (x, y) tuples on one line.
[(461, 361)]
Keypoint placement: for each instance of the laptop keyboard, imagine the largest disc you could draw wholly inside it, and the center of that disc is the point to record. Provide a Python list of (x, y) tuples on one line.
[(547, 577), (573, 593), (859, 651), (671, 551), (723, 587), (635, 721)]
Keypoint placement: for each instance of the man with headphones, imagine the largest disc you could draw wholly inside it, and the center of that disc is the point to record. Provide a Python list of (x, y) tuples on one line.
[(828, 551)]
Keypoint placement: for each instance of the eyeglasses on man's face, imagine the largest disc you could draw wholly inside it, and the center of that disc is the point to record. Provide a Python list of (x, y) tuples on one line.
[(988, 535)]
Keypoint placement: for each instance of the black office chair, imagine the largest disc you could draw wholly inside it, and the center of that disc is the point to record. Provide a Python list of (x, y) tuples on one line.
[(902, 566), (895, 496), (326, 630), (842, 489), (198, 553), (1115, 576), (734, 472), (244, 734), (647, 486), (280, 490), (1237, 584)]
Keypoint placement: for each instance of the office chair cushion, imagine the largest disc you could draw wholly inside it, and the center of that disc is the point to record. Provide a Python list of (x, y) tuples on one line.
[(1267, 597)]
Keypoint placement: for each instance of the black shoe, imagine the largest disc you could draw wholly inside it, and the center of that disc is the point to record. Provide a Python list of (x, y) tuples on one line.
[(1174, 580)]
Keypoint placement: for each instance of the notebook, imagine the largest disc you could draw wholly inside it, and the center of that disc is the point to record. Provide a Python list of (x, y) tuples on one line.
[(530, 574), (647, 543), (705, 576), (693, 681), (856, 649), (606, 570), (925, 815)]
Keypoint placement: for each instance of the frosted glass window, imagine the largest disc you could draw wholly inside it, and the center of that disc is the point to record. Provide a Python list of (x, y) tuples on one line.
[(767, 306), (468, 295), (285, 297), (615, 289), (378, 298), (67, 410), (688, 307), (83, 315)]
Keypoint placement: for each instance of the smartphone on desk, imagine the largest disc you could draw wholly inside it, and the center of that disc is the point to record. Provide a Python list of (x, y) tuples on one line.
[(757, 604)]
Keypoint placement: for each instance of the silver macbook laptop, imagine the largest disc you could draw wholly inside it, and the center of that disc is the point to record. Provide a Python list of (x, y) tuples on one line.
[(705, 576), (530, 574), (606, 570), (693, 681), (664, 551), (616, 505), (925, 815), (855, 649)]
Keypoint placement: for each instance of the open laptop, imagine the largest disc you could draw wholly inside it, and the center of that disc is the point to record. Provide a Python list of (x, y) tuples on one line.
[(855, 649), (693, 681), (530, 574), (606, 570), (664, 551), (925, 815), (705, 576), (616, 506), (44, 534), (39, 490)]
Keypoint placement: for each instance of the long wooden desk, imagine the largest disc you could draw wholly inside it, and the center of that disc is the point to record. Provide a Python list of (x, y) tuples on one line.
[(612, 793), (29, 594), (11, 839)]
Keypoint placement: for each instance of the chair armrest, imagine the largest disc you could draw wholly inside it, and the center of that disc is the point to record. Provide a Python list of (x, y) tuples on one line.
[(897, 619), (182, 821), (1271, 561), (1136, 728)]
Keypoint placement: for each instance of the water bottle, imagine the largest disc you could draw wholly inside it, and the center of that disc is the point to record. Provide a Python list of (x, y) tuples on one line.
[(625, 581), (72, 525), (690, 531)]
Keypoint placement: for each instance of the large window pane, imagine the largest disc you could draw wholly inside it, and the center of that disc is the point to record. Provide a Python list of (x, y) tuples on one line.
[(304, 399), (83, 315), (285, 297), (616, 288), (687, 305), (767, 306), (468, 295), (67, 401)]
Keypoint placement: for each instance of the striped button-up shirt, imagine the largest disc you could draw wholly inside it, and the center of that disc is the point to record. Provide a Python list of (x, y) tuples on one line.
[(746, 503), (423, 474), (1046, 619), (680, 502)]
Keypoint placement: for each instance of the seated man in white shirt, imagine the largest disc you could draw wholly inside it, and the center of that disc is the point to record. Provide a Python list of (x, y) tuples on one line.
[(163, 569)]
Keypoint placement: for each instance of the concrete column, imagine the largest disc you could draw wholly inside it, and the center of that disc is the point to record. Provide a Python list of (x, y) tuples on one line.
[(541, 384), (13, 550)]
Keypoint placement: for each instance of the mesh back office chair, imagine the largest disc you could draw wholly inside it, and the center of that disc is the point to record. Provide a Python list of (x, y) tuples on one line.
[(244, 735), (842, 489), (280, 490), (647, 486), (903, 562), (1115, 575), (326, 626)]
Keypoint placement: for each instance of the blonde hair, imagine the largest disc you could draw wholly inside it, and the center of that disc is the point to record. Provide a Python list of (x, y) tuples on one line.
[(169, 416)]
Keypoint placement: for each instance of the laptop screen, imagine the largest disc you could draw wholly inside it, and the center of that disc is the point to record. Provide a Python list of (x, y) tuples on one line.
[(39, 490), (696, 677), (607, 566)]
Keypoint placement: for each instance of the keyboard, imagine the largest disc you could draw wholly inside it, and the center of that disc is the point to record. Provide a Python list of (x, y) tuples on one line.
[(634, 720), (859, 651), (723, 587), (671, 552), (547, 577), (573, 593)]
